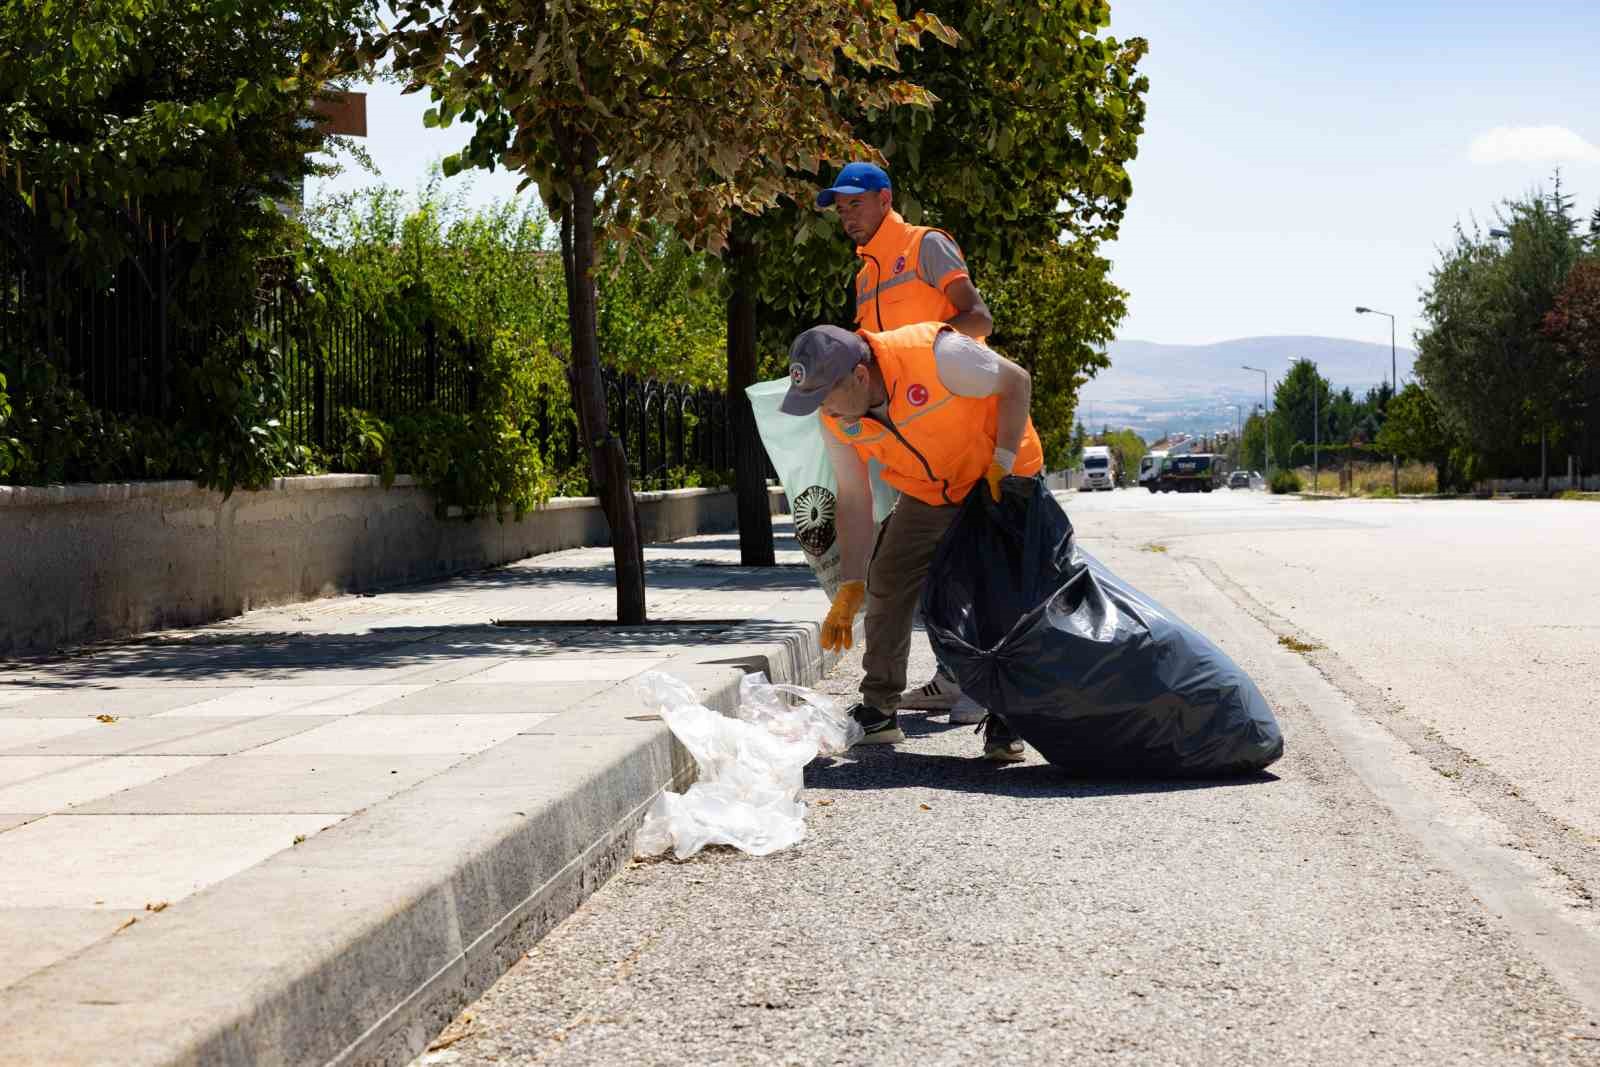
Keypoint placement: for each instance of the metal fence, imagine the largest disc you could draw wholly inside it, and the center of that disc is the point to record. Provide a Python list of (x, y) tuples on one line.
[(120, 344), (117, 342)]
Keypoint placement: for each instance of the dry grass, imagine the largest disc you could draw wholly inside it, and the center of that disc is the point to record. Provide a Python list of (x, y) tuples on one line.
[(1294, 644), (1374, 480)]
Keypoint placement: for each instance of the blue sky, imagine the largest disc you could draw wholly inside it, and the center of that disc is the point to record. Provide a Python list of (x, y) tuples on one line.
[(1300, 157)]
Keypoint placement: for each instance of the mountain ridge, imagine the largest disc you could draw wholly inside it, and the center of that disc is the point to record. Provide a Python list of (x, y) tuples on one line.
[(1157, 387)]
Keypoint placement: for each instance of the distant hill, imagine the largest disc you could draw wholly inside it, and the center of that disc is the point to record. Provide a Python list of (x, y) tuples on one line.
[(1158, 388)]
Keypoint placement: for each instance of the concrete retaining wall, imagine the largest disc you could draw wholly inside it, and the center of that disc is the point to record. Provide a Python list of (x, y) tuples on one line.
[(83, 562)]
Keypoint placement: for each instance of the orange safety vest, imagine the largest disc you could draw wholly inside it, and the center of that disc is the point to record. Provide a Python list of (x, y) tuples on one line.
[(889, 292), (934, 445)]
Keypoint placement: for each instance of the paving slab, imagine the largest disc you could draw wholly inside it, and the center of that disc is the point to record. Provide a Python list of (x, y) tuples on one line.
[(128, 861), (19, 734), (170, 737), (293, 700), (14, 769), (38, 937), (85, 782), (414, 735), (125, 702), (277, 784), (472, 698)]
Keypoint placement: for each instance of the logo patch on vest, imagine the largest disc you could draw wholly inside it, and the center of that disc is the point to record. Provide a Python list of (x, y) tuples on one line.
[(797, 375), (851, 429), (900, 265), (916, 395)]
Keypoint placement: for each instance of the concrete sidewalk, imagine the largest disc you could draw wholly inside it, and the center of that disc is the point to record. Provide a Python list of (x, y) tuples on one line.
[(312, 834)]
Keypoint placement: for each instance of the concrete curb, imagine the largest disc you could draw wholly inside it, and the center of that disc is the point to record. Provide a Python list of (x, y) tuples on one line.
[(360, 945)]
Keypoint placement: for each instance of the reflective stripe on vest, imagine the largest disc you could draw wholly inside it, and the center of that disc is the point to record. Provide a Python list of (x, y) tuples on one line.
[(897, 244)]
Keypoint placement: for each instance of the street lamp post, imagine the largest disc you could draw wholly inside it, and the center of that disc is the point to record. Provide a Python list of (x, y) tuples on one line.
[(1316, 422), (1266, 420), (1394, 382)]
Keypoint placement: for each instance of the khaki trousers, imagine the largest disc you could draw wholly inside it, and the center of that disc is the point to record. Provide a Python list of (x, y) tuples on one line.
[(894, 586)]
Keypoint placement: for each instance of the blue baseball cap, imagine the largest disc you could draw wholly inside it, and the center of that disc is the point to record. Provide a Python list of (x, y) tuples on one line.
[(854, 178)]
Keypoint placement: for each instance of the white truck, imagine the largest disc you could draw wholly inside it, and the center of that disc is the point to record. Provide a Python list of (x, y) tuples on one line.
[(1099, 467), (1150, 468)]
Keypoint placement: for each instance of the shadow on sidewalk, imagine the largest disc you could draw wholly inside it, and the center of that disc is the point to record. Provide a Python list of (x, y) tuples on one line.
[(267, 656)]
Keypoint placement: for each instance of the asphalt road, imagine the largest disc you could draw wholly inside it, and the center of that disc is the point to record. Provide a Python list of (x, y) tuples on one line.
[(1367, 901)]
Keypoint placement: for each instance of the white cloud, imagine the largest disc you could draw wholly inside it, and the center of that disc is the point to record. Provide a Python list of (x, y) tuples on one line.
[(1532, 144)]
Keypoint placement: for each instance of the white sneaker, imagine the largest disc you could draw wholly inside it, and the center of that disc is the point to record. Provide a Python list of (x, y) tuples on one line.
[(967, 711), (941, 694)]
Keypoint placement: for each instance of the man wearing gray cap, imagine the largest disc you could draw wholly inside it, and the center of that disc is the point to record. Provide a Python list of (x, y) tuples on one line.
[(943, 414)]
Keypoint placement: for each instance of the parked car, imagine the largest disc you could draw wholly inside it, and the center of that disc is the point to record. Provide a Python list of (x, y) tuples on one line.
[(1239, 480)]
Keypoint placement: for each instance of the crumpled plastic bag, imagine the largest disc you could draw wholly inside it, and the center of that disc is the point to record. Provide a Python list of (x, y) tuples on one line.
[(751, 769), (818, 719)]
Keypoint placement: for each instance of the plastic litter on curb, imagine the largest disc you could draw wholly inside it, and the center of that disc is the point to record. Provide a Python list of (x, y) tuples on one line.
[(751, 769)]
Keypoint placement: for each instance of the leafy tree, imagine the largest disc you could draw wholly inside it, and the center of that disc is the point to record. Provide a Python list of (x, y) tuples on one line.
[(192, 112), (678, 112), (1129, 448), (1496, 378), (1253, 442), (382, 257), (1416, 430), (1055, 318), (1572, 328), (127, 118), (1080, 440), (1303, 399), (1023, 159)]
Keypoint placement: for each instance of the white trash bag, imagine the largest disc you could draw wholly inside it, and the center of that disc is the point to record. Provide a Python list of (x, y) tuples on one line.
[(751, 769), (800, 458)]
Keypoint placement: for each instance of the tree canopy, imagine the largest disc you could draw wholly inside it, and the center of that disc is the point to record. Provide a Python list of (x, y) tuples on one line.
[(1497, 378)]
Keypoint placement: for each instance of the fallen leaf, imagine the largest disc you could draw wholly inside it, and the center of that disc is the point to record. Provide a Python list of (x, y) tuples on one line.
[(299, 838), (160, 905), (924, 807), (131, 920), (108, 719), (823, 803)]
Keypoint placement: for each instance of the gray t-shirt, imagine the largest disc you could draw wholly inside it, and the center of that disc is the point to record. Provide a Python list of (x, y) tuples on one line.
[(966, 367), (938, 259)]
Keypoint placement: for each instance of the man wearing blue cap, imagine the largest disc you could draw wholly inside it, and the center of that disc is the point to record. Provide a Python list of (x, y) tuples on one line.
[(909, 274)]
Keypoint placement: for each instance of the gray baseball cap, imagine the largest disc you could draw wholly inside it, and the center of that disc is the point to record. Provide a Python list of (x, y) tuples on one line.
[(819, 359)]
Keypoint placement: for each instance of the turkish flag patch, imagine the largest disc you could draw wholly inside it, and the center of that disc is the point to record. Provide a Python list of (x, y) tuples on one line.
[(917, 395)]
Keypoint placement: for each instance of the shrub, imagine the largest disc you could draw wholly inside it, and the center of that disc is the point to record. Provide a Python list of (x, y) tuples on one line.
[(1285, 482)]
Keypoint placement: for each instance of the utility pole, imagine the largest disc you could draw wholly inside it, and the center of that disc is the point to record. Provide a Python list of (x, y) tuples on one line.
[(1394, 383), (1266, 420)]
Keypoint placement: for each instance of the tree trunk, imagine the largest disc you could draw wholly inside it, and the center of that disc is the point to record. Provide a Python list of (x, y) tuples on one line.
[(1544, 461), (608, 463), (750, 462)]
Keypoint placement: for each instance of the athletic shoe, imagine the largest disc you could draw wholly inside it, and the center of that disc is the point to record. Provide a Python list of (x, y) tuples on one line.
[(999, 744), (941, 694), (880, 729), (967, 711)]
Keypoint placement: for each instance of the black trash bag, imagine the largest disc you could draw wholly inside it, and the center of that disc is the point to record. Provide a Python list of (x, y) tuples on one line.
[(1098, 677)]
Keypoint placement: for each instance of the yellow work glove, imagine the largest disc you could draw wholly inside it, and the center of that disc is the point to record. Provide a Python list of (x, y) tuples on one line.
[(838, 628), (996, 472)]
